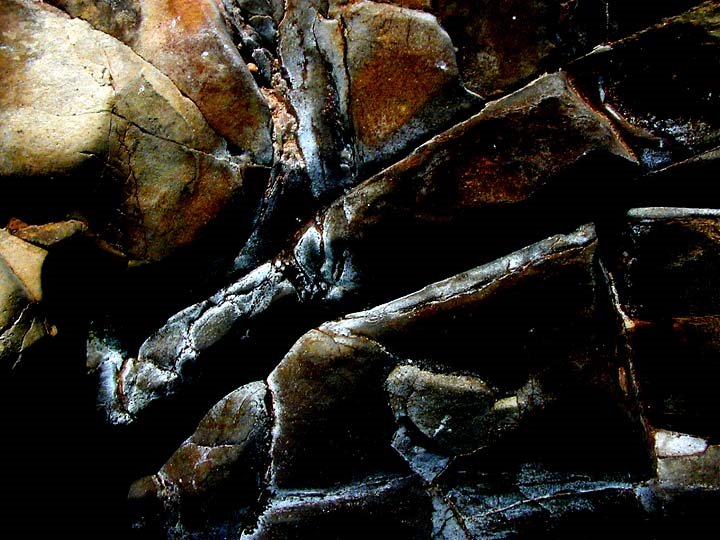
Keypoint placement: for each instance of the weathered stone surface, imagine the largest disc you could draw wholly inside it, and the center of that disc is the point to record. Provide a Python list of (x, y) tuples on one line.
[(460, 413), (684, 461), (166, 359), (393, 506), (366, 241), (47, 234), (536, 502), (190, 43), (668, 62), (211, 484), (79, 102), (343, 364), (403, 78), (345, 149), (21, 320)]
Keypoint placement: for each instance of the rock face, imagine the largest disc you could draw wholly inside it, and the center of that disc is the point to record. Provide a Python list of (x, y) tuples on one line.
[(209, 484), (446, 269), (365, 242), (21, 320), (111, 123), (191, 44)]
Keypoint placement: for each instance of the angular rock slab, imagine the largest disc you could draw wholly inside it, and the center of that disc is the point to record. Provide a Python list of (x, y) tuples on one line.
[(403, 78), (668, 299), (534, 313), (212, 483), (379, 506), (21, 320), (191, 44), (686, 462), (668, 62), (423, 213), (78, 102)]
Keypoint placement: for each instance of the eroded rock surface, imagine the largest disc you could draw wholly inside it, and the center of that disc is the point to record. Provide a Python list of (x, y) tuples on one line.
[(108, 122), (312, 162), (363, 245)]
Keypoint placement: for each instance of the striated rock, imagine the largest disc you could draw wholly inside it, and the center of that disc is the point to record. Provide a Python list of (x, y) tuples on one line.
[(102, 113), (212, 482), (364, 243), (379, 506), (190, 43), (326, 388)]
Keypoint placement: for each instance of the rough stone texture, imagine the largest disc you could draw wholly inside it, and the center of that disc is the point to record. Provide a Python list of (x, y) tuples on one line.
[(314, 161), (211, 483), (457, 412), (190, 43), (365, 242), (345, 363), (161, 171), (21, 320)]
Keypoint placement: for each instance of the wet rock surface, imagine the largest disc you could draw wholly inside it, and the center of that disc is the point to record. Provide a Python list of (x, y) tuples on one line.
[(340, 269)]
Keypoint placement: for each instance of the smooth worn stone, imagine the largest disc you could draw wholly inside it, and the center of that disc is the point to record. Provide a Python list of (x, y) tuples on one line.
[(332, 421), (211, 484), (26, 262), (403, 78), (379, 506), (159, 171), (668, 62), (460, 413), (190, 43)]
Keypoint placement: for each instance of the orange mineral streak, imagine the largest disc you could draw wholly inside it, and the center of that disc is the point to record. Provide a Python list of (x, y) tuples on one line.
[(189, 42), (389, 90)]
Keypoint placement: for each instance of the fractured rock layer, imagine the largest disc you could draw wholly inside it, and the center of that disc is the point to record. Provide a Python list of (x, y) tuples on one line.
[(366, 209)]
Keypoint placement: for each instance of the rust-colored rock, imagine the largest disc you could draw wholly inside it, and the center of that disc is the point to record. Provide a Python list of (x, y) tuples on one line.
[(83, 109), (191, 44)]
